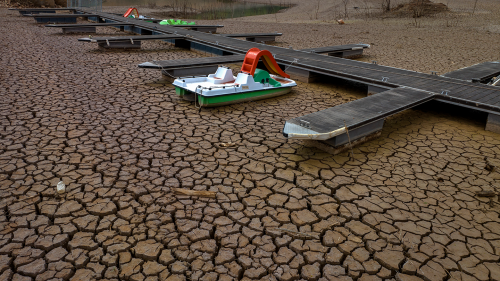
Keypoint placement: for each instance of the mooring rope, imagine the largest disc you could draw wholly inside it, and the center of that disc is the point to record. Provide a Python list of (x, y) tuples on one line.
[(294, 61)]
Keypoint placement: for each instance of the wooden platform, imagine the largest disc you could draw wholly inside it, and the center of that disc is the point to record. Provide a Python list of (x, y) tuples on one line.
[(89, 25), (127, 42), (194, 62), (482, 97), (44, 10), (356, 114), (202, 28), (87, 28), (196, 27), (255, 37), (338, 128), (63, 15), (307, 64), (200, 62), (481, 72), (196, 66), (191, 67), (60, 18), (342, 51), (152, 20)]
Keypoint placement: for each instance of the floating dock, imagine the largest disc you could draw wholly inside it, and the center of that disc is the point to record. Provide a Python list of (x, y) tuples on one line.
[(480, 72), (342, 51), (127, 42), (208, 65), (307, 65), (87, 28), (353, 122)]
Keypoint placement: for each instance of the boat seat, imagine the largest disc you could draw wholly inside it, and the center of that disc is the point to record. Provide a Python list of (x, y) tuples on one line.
[(221, 76), (247, 80)]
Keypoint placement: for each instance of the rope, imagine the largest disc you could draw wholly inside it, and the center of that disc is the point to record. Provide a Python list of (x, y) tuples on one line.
[(294, 61), (162, 69)]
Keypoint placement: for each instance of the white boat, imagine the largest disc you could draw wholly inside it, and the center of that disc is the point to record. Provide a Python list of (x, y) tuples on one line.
[(222, 88)]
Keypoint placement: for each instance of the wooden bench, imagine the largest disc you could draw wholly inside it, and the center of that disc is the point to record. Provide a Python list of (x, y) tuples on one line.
[(86, 28), (255, 37), (61, 18), (127, 42), (341, 51)]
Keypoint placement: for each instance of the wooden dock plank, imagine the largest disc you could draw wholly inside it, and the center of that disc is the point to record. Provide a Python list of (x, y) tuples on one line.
[(337, 67), (128, 38), (197, 25), (164, 64), (481, 71), (62, 15), (250, 35), (363, 111), (89, 25), (471, 92), (44, 9), (330, 49), (485, 96)]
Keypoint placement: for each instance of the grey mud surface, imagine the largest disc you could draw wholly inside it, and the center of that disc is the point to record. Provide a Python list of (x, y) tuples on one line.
[(120, 139)]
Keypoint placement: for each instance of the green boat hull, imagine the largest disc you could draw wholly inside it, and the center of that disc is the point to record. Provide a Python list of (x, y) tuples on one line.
[(232, 98)]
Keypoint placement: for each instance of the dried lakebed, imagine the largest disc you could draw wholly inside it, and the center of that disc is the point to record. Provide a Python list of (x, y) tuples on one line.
[(404, 209)]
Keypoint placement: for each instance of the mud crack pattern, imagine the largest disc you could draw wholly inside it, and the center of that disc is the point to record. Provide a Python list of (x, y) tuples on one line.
[(404, 209)]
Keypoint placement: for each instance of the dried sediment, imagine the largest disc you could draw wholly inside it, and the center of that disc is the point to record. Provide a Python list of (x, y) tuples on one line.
[(404, 209)]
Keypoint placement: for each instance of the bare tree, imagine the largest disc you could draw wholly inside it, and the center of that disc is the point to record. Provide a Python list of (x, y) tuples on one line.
[(345, 2), (386, 5), (418, 8), (367, 9), (317, 8), (475, 4), (314, 13)]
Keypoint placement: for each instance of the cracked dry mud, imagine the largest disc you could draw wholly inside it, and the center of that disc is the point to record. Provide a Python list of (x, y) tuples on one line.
[(404, 210)]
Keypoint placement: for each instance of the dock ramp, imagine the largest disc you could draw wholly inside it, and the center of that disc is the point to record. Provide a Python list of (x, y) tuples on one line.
[(359, 118)]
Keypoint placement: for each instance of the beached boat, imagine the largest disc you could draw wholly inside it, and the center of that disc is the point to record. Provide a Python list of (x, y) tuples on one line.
[(223, 88)]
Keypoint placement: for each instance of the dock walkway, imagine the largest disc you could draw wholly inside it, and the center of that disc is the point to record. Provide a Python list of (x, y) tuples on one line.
[(207, 65), (87, 28), (255, 37), (337, 126), (301, 63), (342, 51), (356, 114), (480, 72), (127, 41)]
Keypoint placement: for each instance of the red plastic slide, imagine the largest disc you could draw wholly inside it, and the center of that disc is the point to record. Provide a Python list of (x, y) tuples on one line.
[(130, 11), (252, 59)]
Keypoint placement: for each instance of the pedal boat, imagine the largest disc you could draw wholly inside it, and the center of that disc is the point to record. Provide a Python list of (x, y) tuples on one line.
[(222, 88)]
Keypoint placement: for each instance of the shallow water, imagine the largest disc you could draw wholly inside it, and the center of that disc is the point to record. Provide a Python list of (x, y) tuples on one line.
[(206, 9), (164, 2)]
